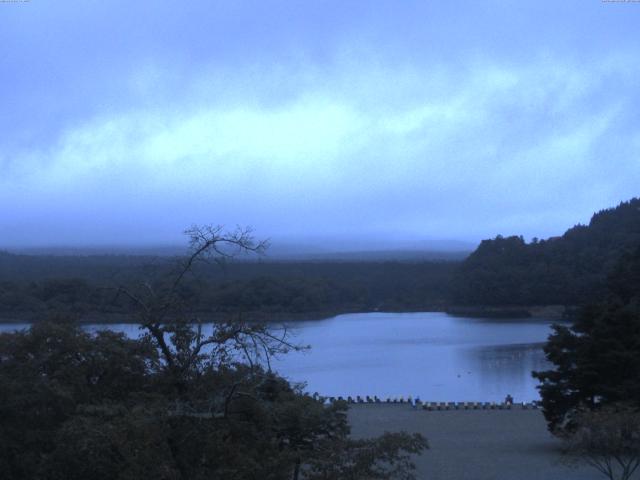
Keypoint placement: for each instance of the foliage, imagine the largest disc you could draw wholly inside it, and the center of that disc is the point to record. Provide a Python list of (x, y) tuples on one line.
[(566, 270), (77, 406), (597, 359), (51, 370), (34, 287), (608, 439), (386, 457), (181, 402)]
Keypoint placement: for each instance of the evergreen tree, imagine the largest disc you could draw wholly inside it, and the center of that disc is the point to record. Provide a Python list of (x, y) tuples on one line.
[(568, 270), (597, 359)]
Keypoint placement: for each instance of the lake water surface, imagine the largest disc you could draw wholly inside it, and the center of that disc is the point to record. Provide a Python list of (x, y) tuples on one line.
[(433, 356)]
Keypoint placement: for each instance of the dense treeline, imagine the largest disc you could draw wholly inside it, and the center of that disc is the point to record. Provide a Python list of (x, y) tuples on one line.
[(596, 360), (33, 287), (566, 270), (505, 271)]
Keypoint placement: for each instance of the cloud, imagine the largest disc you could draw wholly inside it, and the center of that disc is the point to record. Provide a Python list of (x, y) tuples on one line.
[(357, 144)]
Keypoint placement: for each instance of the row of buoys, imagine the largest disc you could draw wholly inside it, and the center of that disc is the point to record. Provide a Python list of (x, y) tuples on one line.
[(417, 403)]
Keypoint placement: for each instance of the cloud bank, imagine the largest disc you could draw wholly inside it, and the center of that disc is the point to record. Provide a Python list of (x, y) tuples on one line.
[(334, 139)]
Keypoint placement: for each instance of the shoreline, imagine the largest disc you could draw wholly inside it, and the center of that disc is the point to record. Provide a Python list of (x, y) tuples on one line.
[(555, 312), (552, 312), (206, 317)]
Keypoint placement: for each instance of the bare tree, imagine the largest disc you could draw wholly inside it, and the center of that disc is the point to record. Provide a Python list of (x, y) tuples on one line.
[(180, 337), (608, 439)]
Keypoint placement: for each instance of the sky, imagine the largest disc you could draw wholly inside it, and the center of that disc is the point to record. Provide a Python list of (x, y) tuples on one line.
[(383, 123)]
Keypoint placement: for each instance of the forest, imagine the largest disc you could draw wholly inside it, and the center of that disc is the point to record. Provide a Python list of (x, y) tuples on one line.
[(568, 270), (33, 287)]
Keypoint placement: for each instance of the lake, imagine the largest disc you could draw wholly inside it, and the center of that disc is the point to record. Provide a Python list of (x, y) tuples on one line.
[(433, 356)]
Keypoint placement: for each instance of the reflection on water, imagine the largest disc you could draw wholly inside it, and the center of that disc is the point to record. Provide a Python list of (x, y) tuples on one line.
[(431, 355), (434, 356), (507, 368)]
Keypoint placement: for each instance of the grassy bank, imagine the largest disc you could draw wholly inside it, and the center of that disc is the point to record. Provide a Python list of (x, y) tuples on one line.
[(474, 444)]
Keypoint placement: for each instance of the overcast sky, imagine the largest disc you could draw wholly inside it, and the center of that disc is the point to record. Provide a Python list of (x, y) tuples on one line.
[(393, 121)]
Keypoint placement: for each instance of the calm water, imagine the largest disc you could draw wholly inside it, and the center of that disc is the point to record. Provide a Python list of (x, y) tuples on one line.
[(434, 356), (431, 355)]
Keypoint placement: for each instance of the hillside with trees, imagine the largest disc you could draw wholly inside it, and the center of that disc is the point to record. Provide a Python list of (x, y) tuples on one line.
[(567, 270), (37, 287)]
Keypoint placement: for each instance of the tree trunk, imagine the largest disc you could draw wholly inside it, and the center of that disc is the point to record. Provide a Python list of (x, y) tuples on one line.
[(296, 469)]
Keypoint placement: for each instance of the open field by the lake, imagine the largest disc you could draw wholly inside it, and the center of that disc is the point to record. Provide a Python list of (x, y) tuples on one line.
[(474, 444)]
